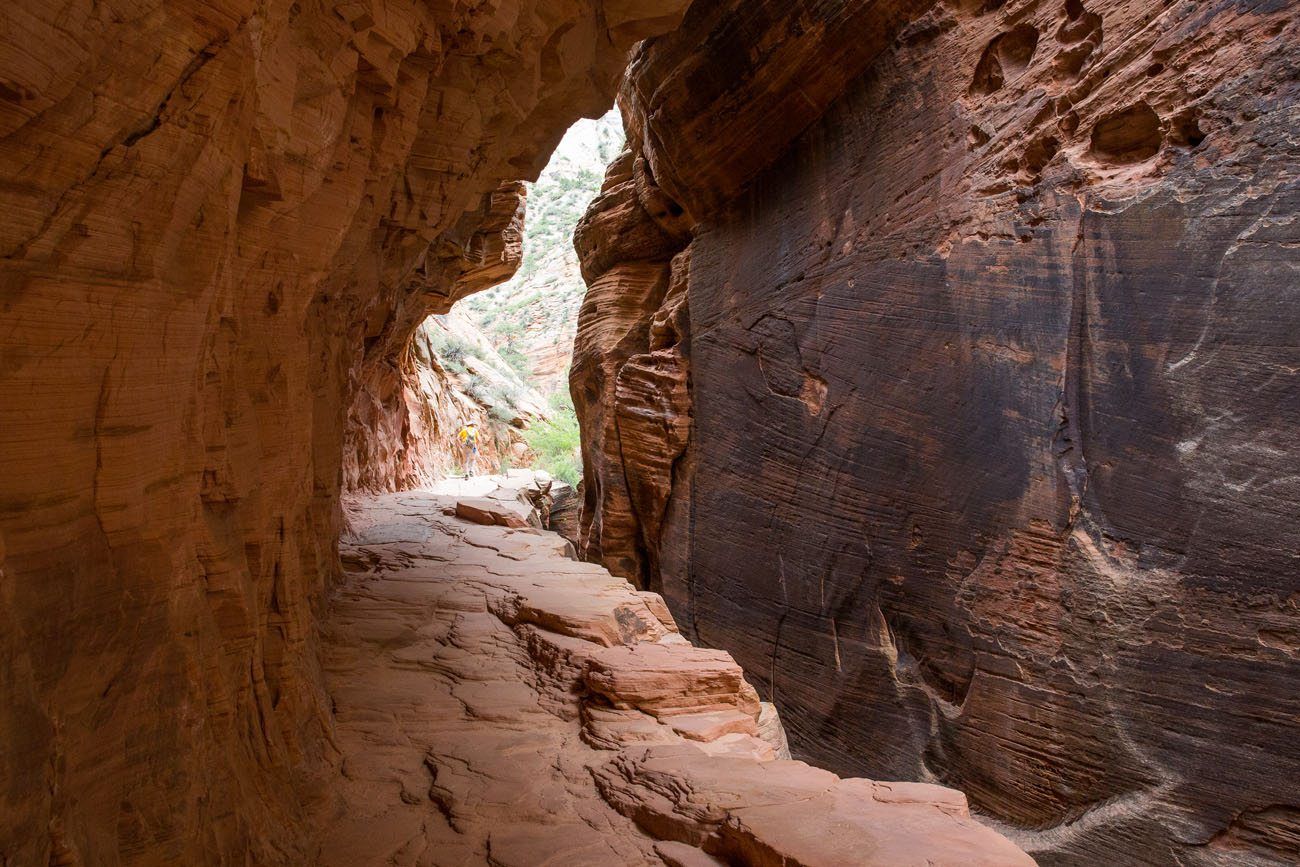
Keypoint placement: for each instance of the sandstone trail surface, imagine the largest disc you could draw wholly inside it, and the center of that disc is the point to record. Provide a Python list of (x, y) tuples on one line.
[(496, 701), (973, 332)]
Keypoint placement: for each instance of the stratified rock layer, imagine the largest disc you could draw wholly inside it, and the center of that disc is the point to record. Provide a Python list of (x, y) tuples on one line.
[(403, 422), (218, 220), (984, 463), (497, 702)]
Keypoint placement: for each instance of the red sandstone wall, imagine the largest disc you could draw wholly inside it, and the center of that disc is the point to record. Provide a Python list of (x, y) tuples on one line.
[(404, 410), (216, 217), (985, 470)]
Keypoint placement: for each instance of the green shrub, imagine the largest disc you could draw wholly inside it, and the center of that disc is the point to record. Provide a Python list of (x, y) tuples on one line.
[(451, 350), (478, 388), (501, 413), (518, 361), (557, 441), (502, 401)]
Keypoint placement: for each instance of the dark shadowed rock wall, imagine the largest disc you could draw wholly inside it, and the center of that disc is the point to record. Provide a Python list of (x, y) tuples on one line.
[(956, 394)]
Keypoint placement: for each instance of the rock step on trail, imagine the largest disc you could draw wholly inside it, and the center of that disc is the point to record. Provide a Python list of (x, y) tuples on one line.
[(497, 702)]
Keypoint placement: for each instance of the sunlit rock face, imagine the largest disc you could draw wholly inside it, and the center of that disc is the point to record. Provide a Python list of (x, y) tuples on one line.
[(407, 405), (974, 438), (218, 219), (403, 423)]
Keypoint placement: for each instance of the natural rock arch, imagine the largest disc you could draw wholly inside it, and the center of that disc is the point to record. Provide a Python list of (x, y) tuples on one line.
[(1021, 489)]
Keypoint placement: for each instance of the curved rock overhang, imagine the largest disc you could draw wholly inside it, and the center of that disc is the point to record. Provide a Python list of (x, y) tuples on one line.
[(221, 221), (995, 297)]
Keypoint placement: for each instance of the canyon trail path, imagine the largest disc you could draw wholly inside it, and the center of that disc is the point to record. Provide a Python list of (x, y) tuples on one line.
[(496, 702)]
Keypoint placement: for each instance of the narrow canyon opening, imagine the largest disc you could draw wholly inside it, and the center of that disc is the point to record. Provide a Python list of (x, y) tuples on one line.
[(495, 368), (920, 387)]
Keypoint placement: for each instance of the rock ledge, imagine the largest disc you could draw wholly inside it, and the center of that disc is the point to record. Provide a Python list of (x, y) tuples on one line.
[(498, 701)]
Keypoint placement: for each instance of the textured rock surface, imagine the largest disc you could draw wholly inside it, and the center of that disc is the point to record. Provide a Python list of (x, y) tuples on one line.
[(402, 424), (533, 316), (984, 467), (489, 512), (629, 369), (497, 702), (219, 220)]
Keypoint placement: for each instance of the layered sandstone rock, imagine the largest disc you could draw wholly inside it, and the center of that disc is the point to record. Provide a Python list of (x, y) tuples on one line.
[(630, 367), (404, 418), (406, 405), (499, 703), (220, 220), (983, 466)]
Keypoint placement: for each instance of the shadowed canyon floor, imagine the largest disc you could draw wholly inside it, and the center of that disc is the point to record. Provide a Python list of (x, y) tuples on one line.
[(497, 702)]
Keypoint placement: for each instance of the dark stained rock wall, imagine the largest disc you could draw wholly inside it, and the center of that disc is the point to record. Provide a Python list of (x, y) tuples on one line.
[(994, 377)]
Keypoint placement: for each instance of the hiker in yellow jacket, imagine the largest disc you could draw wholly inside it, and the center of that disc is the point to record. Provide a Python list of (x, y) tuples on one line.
[(467, 436)]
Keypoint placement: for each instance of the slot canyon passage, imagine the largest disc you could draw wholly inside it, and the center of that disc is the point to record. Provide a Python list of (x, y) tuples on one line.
[(938, 365)]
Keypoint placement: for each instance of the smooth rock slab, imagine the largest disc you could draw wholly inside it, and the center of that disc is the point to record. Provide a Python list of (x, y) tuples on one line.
[(667, 679)]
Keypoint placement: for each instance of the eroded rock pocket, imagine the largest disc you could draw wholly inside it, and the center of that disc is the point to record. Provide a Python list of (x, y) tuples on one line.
[(1127, 136)]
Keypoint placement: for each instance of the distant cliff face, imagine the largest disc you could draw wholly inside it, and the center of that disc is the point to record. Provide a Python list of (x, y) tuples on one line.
[(951, 383), (533, 316), (220, 222), (402, 426)]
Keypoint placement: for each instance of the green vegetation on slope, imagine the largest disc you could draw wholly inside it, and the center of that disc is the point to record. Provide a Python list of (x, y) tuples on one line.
[(531, 318), (556, 441), (502, 399)]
